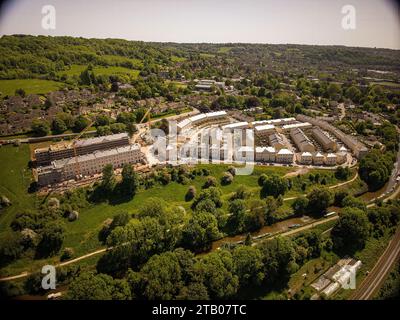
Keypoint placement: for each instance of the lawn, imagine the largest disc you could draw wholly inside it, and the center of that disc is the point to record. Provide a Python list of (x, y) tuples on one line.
[(15, 178), (224, 49), (8, 87)]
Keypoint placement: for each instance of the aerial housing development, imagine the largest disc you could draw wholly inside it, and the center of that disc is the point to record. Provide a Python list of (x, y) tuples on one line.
[(209, 166)]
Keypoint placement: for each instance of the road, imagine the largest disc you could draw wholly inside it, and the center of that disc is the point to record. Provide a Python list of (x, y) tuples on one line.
[(377, 276), (395, 172)]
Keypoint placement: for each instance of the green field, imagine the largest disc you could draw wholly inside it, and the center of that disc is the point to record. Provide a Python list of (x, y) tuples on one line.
[(207, 55), (178, 59), (111, 59), (224, 49), (75, 70), (8, 87), (15, 177)]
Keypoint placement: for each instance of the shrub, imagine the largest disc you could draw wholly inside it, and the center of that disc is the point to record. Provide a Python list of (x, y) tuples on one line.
[(227, 178), (210, 182), (191, 193)]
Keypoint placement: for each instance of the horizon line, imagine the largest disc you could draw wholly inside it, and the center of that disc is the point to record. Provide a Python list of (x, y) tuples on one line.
[(212, 43)]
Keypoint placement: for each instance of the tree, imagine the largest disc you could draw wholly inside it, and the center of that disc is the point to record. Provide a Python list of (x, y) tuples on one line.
[(212, 193), (375, 168), (129, 183), (90, 286), (249, 265), (255, 219), (319, 199), (108, 179), (350, 201), (241, 192), (162, 275), (58, 126), (102, 120), (273, 185), (206, 205), (11, 247), (339, 196), (342, 173), (237, 209), (278, 257), (52, 238), (40, 128), (351, 231), (80, 123), (103, 130), (333, 90), (200, 231), (126, 118), (300, 205), (87, 76), (353, 93), (216, 272), (118, 128), (270, 210)]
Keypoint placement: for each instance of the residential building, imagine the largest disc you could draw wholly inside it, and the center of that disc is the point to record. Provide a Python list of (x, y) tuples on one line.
[(356, 146), (284, 156), (278, 141), (318, 159), (306, 158), (264, 130), (302, 142), (45, 156), (327, 143), (305, 125), (88, 164), (331, 159), (265, 154), (276, 122), (202, 118), (236, 125)]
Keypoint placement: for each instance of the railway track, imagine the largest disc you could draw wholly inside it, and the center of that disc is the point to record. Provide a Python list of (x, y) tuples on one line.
[(378, 274)]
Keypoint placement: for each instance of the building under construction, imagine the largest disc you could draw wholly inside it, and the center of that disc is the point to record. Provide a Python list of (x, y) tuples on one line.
[(91, 158), (45, 156)]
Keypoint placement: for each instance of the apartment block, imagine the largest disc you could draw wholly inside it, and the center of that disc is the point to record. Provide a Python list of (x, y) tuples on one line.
[(45, 156), (88, 164)]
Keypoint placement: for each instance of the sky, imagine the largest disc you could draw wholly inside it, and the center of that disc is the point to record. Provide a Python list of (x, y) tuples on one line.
[(217, 21)]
